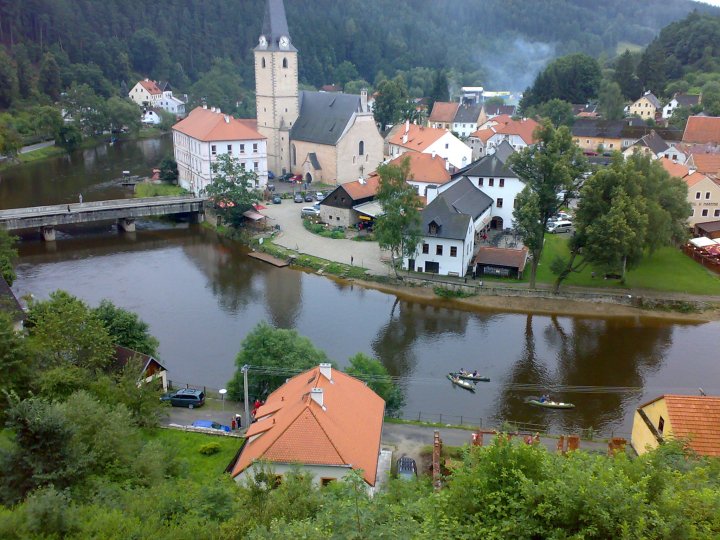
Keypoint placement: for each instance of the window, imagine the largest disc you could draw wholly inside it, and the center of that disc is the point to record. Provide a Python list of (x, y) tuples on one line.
[(326, 481), (447, 146), (661, 425), (697, 194), (361, 148), (285, 62), (263, 62), (242, 166), (438, 249), (707, 195), (705, 212), (491, 182), (229, 148), (293, 154), (213, 150), (499, 203), (242, 148), (255, 147), (502, 182), (256, 166), (480, 182), (717, 213), (426, 249), (453, 251)]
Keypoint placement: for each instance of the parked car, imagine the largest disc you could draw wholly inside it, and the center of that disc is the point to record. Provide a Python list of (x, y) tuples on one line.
[(310, 211), (406, 468), (209, 424), (286, 177), (185, 397), (557, 227), (297, 179), (560, 216), (276, 199), (319, 196), (309, 198), (299, 198)]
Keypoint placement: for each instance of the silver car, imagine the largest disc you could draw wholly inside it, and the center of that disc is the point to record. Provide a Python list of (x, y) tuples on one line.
[(310, 211)]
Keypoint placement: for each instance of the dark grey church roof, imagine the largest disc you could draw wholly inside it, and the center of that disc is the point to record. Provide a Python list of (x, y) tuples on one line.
[(275, 25), (452, 209), (323, 116), (489, 167)]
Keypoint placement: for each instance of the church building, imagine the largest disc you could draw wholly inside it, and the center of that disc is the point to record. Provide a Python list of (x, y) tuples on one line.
[(325, 137)]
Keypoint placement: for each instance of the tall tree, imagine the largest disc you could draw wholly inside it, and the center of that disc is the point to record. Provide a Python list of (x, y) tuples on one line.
[(559, 112), (610, 100), (122, 113), (574, 78), (440, 89), (8, 254), (16, 365), (24, 71), (651, 69), (126, 328), (8, 80), (230, 189), (554, 164), (391, 102), (398, 228), (148, 53), (49, 81), (378, 379), (625, 76)]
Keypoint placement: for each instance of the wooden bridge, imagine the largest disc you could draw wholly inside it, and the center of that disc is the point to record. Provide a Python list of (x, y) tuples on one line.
[(124, 211)]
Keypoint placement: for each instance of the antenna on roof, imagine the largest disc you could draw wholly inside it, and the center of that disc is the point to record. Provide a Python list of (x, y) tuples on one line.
[(702, 392)]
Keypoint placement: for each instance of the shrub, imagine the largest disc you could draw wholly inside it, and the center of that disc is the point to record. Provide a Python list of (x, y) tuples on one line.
[(209, 449), (450, 293)]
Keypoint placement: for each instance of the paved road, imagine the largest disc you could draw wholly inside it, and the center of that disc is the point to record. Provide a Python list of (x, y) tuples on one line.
[(38, 146), (294, 236)]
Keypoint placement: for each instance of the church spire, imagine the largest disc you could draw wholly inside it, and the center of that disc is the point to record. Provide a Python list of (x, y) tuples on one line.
[(275, 27)]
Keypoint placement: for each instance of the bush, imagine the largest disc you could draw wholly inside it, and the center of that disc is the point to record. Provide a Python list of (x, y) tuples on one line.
[(450, 293), (337, 235), (209, 449)]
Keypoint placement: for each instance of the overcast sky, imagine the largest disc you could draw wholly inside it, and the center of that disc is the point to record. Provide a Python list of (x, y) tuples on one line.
[(713, 2)]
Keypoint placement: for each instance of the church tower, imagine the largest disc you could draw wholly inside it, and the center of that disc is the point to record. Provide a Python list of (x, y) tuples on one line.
[(276, 85)]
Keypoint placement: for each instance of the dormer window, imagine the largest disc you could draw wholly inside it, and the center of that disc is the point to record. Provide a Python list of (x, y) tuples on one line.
[(433, 228)]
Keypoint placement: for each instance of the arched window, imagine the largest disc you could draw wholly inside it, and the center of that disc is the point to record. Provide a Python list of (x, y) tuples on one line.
[(293, 154), (361, 148), (284, 62), (263, 62)]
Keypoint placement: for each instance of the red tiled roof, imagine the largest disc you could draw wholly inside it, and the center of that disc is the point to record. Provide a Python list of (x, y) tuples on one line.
[(483, 134), (694, 178), (496, 121), (515, 258), (702, 129), (206, 125), (443, 111), (675, 169), (424, 168), (151, 87), (707, 163), (418, 137), (522, 128), (293, 428), (362, 190), (696, 418)]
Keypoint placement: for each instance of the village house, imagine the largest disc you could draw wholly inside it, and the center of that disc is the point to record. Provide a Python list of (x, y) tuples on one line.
[(414, 138), (707, 164), (477, 141), (680, 101), (675, 168), (338, 208), (425, 170), (147, 93), (647, 106), (450, 224), (519, 133), (693, 420), (152, 369), (500, 262), (651, 145), (489, 112), (702, 130), (323, 420), (208, 133), (704, 198), (466, 119), (443, 115), (324, 136), (592, 135)]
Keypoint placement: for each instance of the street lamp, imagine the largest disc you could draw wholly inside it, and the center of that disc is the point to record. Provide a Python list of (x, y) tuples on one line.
[(222, 392)]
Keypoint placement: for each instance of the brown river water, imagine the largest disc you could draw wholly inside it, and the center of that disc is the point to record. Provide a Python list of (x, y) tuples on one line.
[(202, 294)]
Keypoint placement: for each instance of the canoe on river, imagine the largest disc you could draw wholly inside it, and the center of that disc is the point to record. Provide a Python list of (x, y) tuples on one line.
[(471, 377), (461, 383), (551, 404)]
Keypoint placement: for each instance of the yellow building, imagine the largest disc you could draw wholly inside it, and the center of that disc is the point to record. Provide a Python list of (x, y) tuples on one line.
[(694, 419), (704, 198), (646, 107)]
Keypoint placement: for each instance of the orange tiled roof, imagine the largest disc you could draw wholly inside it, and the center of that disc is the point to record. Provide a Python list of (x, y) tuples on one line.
[(443, 111), (522, 128), (206, 125), (694, 178), (361, 190), (707, 163), (674, 168), (425, 168), (696, 418), (418, 137), (151, 87), (483, 134), (498, 120), (702, 129), (293, 428)]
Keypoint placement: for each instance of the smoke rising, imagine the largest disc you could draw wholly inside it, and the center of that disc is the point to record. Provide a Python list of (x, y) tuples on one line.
[(514, 66)]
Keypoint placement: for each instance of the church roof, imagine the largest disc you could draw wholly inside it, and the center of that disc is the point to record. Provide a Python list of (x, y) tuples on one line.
[(275, 25), (208, 125), (324, 116)]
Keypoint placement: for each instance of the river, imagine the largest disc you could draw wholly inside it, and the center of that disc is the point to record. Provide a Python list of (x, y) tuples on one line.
[(202, 294)]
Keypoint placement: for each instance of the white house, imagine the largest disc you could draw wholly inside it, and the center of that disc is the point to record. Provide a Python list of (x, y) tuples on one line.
[(208, 133), (147, 93), (450, 225), (151, 117), (497, 181), (679, 100), (519, 133), (466, 119), (426, 140), (424, 171)]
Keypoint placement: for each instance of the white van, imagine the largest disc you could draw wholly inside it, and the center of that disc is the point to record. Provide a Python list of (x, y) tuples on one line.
[(561, 226)]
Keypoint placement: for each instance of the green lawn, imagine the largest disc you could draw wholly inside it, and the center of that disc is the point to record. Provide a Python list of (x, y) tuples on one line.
[(187, 444), (157, 190), (668, 269)]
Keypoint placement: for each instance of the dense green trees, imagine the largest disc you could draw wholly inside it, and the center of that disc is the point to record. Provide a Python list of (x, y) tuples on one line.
[(574, 78), (8, 253), (610, 100), (232, 189), (126, 328), (377, 377), (559, 112)]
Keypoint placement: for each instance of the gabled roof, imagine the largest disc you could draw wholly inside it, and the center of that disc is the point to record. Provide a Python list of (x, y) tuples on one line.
[(495, 121), (331, 88), (275, 24), (293, 428), (483, 134), (686, 100), (443, 111), (702, 129), (324, 116), (675, 169), (151, 87), (467, 113), (207, 125), (488, 167), (696, 419), (503, 151), (123, 355), (424, 167), (450, 223), (694, 177), (706, 163), (359, 190), (522, 128), (495, 110), (514, 258), (466, 198), (654, 101), (418, 137), (654, 142), (589, 127)]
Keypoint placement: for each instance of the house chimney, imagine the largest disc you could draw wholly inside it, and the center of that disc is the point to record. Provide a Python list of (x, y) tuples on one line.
[(433, 154), (405, 138), (227, 119), (317, 396), (212, 109), (447, 164), (205, 106), (326, 371), (217, 110), (407, 126), (363, 100)]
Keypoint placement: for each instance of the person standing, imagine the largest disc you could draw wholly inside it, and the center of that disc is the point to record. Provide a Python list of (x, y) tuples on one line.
[(80, 198), (238, 421)]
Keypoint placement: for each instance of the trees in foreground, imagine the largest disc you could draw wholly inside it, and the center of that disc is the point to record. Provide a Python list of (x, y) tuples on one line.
[(231, 189)]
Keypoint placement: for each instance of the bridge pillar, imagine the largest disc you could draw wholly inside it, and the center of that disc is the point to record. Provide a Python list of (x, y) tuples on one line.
[(48, 233), (197, 217), (126, 224)]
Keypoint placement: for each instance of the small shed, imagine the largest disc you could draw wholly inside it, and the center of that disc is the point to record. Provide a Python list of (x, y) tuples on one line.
[(710, 229), (501, 262), (152, 368)]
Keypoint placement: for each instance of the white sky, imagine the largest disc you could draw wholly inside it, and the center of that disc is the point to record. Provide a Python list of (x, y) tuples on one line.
[(711, 2)]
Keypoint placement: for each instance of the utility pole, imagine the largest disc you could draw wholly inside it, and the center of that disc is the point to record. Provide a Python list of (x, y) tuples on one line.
[(245, 369)]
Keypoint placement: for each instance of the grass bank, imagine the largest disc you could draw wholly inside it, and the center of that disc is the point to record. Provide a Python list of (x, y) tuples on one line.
[(146, 189)]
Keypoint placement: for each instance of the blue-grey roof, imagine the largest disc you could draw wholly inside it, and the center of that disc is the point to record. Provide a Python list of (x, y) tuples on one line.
[(323, 116), (466, 198), (275, 25), (452, 209), (504, 150), (488, 167), (467, 114)]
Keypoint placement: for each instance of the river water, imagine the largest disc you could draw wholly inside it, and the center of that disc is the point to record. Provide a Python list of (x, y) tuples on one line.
[(202, 294)]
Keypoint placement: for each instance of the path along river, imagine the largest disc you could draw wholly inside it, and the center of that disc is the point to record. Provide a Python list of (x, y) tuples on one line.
[(202, 294)]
